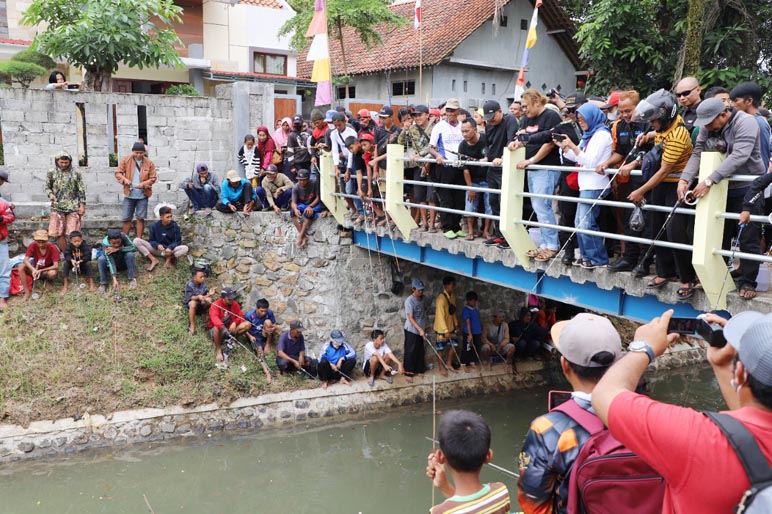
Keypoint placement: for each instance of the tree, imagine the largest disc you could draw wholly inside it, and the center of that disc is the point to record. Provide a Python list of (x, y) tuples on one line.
[(361, 15), (99, 35), (22, 72), (35, 57)]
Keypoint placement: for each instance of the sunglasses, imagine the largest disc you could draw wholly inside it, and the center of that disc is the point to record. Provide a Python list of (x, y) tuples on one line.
[(450, 110), (686, 93)]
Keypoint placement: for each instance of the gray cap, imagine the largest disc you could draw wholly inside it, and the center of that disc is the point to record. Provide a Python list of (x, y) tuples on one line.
[(302, 175), (138, 147), (583, 337), (417, 284), (4, 175), (421, 109), (708, 110), (228, 293), (338, 116), (296, 325), (337, 336), (750, 333)]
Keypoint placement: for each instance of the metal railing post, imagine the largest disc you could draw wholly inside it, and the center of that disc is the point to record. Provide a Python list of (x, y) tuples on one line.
[(512, 187), (709, 233), (395, 171), (335, 205)]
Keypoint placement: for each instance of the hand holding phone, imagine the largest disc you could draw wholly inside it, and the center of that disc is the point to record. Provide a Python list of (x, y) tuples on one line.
[(559, 137)]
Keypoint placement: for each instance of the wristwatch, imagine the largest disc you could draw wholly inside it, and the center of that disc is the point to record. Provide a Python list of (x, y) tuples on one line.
[(708, 182), (641, 347)]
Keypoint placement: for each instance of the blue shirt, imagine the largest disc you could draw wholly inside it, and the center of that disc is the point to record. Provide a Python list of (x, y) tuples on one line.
[(473, 315), (291, 347), (333, 355), (256, 330), (229, 195), (134, 193), (169, 237)]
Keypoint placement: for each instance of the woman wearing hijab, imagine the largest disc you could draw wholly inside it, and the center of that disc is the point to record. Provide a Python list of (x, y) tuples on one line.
[(281, 135), (593, 149), (266, 147)]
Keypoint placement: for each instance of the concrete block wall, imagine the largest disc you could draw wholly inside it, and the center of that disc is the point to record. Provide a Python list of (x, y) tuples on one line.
[(181, 131)]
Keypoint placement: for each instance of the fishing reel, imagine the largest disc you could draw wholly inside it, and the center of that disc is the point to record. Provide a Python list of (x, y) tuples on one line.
[(690, 199)]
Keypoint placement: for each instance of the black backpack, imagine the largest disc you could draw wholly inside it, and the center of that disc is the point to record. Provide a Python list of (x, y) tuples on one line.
[(201, 265), (652, 160), (757, 499)]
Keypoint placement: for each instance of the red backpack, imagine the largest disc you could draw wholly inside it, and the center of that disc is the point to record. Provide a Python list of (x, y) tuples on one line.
[(606, 477)]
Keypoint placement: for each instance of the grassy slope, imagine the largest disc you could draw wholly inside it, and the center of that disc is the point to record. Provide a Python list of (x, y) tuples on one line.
[(65, 355)]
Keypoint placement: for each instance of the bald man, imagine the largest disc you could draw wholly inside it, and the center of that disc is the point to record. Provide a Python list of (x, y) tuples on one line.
[(688, 91)]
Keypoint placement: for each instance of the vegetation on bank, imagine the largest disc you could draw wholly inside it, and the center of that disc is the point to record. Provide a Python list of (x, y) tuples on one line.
[(62, 356)]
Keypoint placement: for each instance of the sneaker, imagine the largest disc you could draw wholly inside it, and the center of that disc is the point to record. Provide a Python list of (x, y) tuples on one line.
[(461, 233), (503, 245), (133, 283), (450, 234), (493, 241)]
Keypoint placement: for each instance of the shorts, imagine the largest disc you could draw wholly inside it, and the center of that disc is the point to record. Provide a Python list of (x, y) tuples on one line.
[(62, 223), (132, 207), (258, 344), (442, 343), (200, 308), (366, 369), (499, 356), (223, 333), (302, 207), (422, 194)]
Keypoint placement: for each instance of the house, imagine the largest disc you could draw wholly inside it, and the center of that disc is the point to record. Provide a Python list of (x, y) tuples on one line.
[(464, 55)]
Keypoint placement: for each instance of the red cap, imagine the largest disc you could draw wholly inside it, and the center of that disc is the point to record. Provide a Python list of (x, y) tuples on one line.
[(612, 100), (363, 113), (366, 136), (435, 112)]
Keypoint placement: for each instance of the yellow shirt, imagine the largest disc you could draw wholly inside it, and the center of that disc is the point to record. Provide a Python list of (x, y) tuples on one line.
[(444, 321), (677, 147)]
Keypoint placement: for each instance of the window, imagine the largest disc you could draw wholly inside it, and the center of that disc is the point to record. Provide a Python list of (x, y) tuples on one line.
[(270, 64), (493, 89), (142, 123), (465, 83), (503, 21), (403, 88), (453, 85), (523, 24), (482, 88), (344, 90)]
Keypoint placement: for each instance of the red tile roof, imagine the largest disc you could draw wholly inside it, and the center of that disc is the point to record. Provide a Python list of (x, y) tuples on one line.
[(271, 4), (446, 24), (20, 42)]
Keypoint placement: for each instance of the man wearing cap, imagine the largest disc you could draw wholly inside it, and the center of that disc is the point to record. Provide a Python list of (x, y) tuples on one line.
[(500, 129), (137, 174), (202, 188), (291, 350), (366, 122), (739, 133), (305, 206), (298, 146), (688, 91), (571, 103), (361, 153), (226, 320), (41, 262), (6, 218), (341, 157), (275, 190), (686, 447), (117, 255), (337, 360), (67, 193), (588, 345), (443, 146), (386, 134), (415, 138), (320, 134), (610, 107), (236, 195), (415, 321)]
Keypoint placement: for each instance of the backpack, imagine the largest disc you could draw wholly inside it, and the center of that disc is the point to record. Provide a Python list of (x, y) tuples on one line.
[(758, 498), (606, 477), (300, 153), (201, 265), (652, 160)]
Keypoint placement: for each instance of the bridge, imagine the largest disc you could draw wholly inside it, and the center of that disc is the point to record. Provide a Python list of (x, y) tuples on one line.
[(619, 294)]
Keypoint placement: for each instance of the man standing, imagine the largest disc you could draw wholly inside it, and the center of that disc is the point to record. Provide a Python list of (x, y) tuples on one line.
[(6, 218), (298, 146), (341, 157), (684, 445), (746, 97), (687, 92), (740, 133), (472, 148), (65, 189), (443, 146), (499, 131), (202, 189), (137, 174), (415, 320), (416, 139), (446, 323)]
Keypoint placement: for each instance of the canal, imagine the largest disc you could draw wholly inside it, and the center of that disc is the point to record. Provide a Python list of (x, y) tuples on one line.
[(364, 465)]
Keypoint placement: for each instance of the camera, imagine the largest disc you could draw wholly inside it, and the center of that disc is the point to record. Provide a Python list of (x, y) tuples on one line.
[(552, 93), (712, 333)]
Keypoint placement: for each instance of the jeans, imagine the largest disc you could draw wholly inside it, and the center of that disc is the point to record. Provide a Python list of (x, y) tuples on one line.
[(591, 247), (543, 182), (484, 198), (260, 194), (204, 198), (282, 201), (119, 261), (451, 198), (493, 178), (351, 189), (5, 270)]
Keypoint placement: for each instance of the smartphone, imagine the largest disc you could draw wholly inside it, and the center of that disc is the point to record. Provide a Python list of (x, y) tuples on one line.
[(556, 398), (523, 137), (683, 326), (559, 137), (73, 86)]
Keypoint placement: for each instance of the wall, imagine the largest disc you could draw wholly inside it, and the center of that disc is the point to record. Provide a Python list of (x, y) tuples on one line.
[(181, 132)]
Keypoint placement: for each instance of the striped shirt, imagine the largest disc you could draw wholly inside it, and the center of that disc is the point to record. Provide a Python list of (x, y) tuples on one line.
[(493, 498), (677, 146)]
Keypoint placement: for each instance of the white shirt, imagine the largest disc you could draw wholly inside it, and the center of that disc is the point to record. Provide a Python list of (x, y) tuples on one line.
[(370, 350), (446, 137), (338, 145), (598, 151)]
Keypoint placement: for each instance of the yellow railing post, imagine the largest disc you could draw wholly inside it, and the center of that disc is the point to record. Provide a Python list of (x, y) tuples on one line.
[(708, 235), (511, 224), (335, 204), (395, 169)]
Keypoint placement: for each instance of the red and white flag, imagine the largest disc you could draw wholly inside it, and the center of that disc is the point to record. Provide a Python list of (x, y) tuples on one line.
[(417, 19)]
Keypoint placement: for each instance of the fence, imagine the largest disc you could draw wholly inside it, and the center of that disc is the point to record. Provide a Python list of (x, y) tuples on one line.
[(709, 213)]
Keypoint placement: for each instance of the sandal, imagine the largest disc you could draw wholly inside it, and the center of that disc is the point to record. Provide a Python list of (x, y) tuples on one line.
[(545, 255), (654, 284), (534, 252), (687, 291), (747, 292), (380, 221), (470, 237)]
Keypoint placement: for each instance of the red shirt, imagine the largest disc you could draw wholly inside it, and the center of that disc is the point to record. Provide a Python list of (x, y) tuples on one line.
[(702, 472), (218, 314), (43, 260)]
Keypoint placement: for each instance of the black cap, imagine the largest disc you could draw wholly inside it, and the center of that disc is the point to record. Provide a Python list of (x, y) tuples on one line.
[(338, 116), (575, 100), (4, 175), (386, 112), (138, 147), (350, 140), (297, 119), (340, 108), (302, 174), (113, 233), (228, 293), (490, 107), (421, 108), (271, 168)]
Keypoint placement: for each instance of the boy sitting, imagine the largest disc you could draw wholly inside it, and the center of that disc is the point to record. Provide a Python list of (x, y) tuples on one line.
[(377, 355), (41, 261), (165, 240), (306, 205), (263, 324), (465, 445), (77, 259), (226, 320), (198, 297), (118, 255)]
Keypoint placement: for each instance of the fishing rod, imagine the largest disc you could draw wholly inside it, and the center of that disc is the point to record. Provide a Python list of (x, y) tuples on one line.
[(260, 358), (494, 466), (426, 340), (662, 229), (313, 356)]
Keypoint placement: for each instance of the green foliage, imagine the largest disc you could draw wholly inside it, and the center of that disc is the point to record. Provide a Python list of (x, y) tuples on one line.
[(35, 57), (99, 35), (368, 18), (731, 76), (22, 72), (182, 90), (112, 160)]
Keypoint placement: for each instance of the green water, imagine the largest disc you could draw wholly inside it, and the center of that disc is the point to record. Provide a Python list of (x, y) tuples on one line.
[(373, 465)]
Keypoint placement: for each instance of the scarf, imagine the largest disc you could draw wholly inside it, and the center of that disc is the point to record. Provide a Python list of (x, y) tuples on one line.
[(595, 120)]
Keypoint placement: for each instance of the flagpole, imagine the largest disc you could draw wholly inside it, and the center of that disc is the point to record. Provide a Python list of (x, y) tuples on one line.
[(420, 60)]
